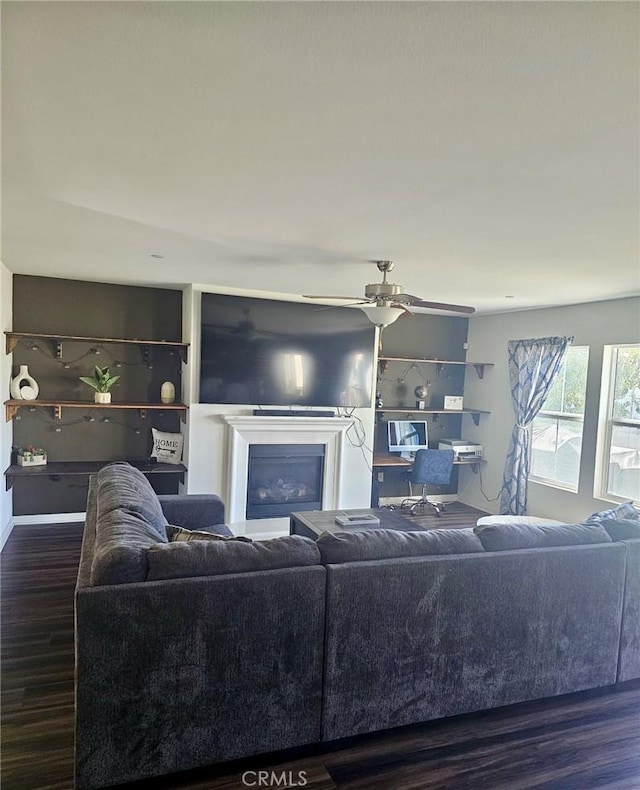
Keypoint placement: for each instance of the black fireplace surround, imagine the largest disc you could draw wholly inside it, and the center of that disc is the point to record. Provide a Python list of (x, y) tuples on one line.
[(283, 478)]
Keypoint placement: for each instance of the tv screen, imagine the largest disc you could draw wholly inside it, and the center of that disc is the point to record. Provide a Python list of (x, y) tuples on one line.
[(271, 353)]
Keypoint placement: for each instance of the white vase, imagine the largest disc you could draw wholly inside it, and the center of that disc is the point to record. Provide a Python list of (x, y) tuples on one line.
[(24, 386), (102, 397), (167, 392)]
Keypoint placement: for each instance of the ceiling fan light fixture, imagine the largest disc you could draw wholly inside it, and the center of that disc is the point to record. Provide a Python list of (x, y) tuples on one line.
[(381, 315)]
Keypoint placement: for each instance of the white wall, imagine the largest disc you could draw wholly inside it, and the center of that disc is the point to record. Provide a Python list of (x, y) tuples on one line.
[(6, 312), (205, 453), (595, 325)]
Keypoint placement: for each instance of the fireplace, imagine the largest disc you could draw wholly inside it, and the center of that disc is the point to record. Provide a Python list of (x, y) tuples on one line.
[(246, 431), (284, 478)]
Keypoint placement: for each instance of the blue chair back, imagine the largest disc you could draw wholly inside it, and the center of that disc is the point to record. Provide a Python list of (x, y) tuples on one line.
[(432, 467)]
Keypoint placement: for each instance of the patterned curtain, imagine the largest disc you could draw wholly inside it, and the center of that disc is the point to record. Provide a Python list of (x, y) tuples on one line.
[(533, 366)]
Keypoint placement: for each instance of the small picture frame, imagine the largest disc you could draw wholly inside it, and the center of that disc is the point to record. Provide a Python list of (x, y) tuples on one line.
[(453, 402)]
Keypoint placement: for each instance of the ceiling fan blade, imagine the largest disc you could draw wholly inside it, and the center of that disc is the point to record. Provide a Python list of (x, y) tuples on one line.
[(347, 298), (339, 307), (455, 308)]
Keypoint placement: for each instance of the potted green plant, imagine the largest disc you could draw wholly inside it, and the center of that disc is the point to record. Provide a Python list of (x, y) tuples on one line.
[(31, 456), (101, 381)]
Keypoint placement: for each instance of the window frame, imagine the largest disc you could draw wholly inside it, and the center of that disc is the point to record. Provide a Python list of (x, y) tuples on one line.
[(606, 423), (562, 416)]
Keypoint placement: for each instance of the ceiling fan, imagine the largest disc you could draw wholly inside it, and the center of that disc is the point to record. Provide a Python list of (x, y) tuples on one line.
[(385, 302)]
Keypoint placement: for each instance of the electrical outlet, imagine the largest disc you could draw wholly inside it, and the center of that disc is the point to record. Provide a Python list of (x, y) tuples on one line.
[(381, 477), (465, 346)]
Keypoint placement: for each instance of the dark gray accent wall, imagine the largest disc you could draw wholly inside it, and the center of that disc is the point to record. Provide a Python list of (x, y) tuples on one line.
[(427, 337), (69, 307), (75, 307)]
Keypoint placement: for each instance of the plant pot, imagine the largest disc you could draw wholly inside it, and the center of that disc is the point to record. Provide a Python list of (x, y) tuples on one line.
[(102, 397), (32, 460)]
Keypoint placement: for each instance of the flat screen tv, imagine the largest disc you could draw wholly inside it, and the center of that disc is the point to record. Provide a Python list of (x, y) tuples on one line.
[(271, 353)]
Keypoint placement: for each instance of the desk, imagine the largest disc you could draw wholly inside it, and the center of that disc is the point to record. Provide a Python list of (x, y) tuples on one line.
[(394, 461), (389, 459), (87, 468)]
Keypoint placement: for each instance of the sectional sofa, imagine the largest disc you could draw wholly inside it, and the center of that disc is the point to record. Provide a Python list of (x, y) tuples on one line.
[(191, 652)]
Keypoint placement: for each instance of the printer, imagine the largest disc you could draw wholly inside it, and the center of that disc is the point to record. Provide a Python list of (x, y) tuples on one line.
[(462, 448)]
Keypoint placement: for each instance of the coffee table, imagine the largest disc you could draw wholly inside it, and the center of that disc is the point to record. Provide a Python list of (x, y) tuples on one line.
[(312, 523)]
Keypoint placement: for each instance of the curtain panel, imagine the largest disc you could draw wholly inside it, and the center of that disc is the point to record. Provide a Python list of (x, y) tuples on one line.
[(533, 366)]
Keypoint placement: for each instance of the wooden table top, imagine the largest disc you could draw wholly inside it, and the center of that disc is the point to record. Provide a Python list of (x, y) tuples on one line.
[(312, 523)]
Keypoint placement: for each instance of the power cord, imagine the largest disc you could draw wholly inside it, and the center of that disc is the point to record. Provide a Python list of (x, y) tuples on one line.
[(357, 429), (492, 499)]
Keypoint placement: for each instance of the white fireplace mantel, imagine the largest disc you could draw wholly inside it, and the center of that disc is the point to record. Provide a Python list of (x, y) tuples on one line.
[(246, 430)]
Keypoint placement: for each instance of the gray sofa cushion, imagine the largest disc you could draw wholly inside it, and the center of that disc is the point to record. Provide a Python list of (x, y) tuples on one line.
[(122, 487), (193, 511), (379, 544), (504, 537), (216, 557), (121, 544), (622, 528)]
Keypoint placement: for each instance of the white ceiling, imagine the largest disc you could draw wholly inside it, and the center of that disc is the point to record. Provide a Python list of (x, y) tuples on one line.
[(490, 149)]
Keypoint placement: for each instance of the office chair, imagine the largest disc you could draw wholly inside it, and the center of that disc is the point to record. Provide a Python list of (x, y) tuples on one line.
[(430, 467)]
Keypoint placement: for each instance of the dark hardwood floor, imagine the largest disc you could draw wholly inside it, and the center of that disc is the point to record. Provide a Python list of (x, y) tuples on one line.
[(580, 741)]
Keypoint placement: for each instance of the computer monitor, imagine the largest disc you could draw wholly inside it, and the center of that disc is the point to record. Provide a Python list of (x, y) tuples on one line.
[(407, 436)]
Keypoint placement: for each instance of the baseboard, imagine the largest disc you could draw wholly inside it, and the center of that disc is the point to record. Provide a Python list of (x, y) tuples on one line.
[(48, 518), (6, 531)]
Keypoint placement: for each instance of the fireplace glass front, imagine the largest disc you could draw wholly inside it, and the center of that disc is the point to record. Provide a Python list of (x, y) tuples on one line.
[(284, 478)]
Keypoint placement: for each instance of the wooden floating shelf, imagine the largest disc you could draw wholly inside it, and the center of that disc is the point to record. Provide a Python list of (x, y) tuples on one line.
[(475, 413), (479, 366), (12, 339), (12, 406), (391, 461), (84, 468)]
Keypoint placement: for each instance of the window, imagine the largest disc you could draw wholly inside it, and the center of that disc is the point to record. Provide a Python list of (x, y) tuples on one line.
[(556, 439), (618, 468)]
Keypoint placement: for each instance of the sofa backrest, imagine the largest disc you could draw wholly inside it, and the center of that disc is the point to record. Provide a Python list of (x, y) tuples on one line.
[(418, 638), (503, 537), (175, 674), (128, 520), (629, 667), (129, 538), (123, 487), (181, 560), (381, 544)]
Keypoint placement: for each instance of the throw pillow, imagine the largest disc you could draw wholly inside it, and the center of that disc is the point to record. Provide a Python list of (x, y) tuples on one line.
[(167, 447), (182, 535), (531, 521), (625, 510)]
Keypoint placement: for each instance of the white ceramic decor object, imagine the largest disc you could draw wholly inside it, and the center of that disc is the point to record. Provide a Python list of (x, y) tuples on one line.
[(102, 397), (167, 392), (28, 393), (23, 381)]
